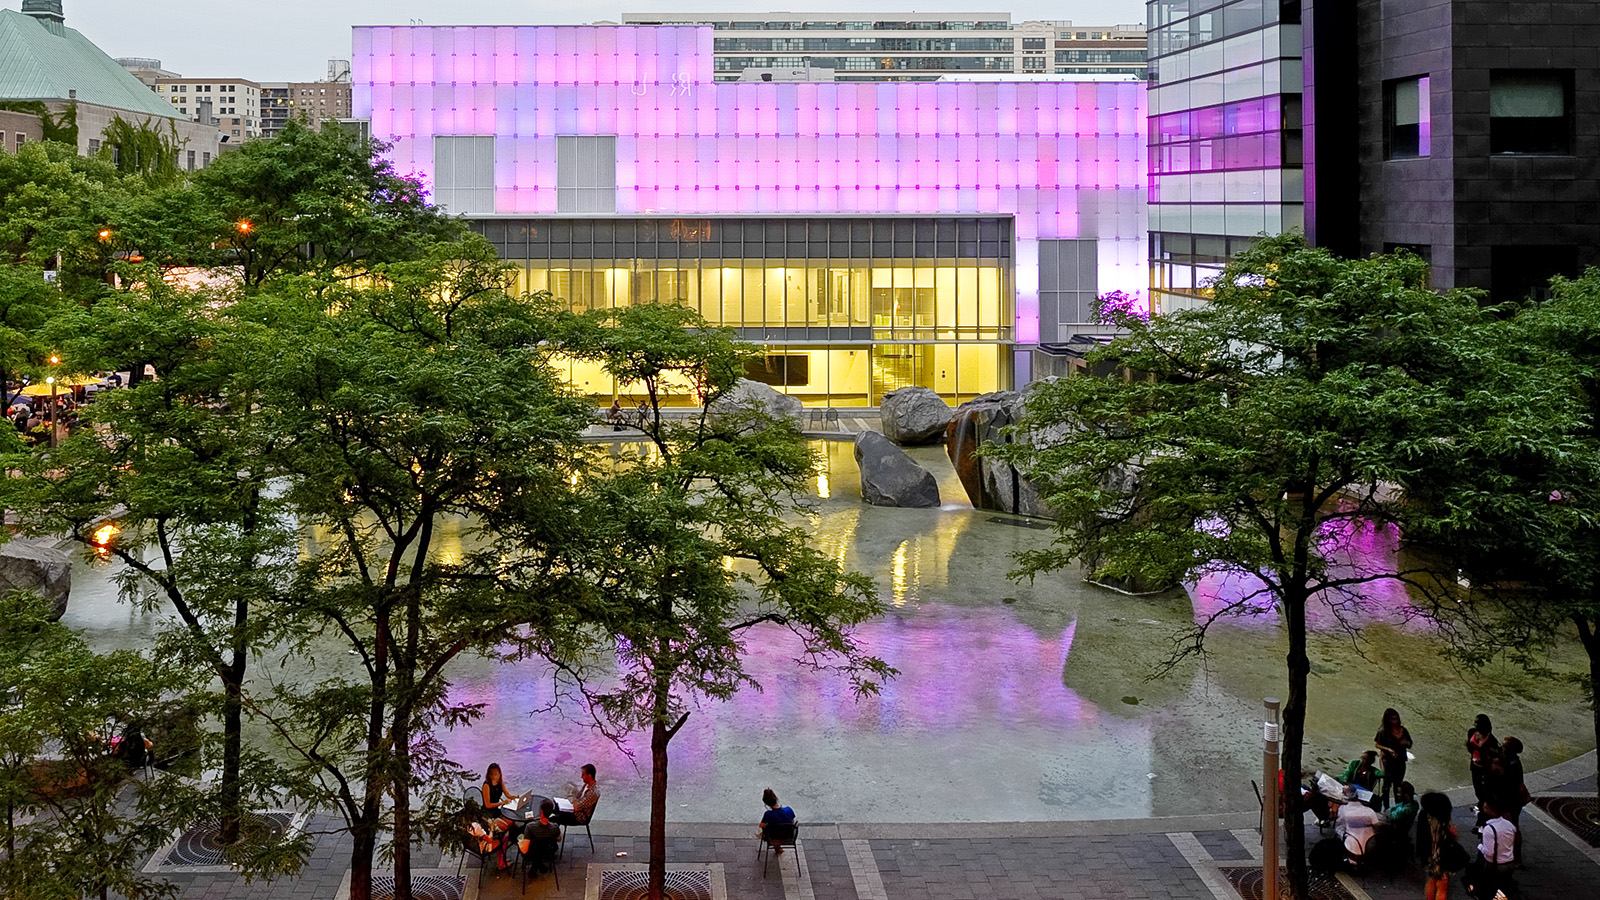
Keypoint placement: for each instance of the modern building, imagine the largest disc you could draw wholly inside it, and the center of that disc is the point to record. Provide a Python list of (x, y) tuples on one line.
[(1467, 131), (232, 105), (1226, 145), (43, 61), (902, 46), (871, 236), (311, 102)]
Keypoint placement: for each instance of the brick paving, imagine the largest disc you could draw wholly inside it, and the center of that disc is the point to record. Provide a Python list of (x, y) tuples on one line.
[(1150, 859)]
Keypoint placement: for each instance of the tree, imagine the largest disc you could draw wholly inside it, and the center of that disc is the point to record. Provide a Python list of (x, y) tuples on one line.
[(53, 206), (406, 409), (181, 466), (144, 150), (685, 546), (320, 203), (1519, 516), (1252, 435), (56, 762)]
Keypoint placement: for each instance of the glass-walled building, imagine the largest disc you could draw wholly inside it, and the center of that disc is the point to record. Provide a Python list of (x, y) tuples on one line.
[(847, 308), (1225, 136), (869, 236)]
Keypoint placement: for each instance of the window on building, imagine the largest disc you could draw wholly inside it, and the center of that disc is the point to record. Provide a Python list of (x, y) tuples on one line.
[(21, 139), (94, 146), (1530, 111), (781, 370), (586, 174), (191, 160), (1033, 43), (1518, 272), (205, 160), (1406, 104), (1033, 62), (464, 173)]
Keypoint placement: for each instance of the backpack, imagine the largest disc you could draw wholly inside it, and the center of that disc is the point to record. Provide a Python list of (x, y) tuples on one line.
[(1452, 856)]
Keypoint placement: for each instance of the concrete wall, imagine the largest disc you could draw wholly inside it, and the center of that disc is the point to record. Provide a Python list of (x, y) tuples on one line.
[(93, 119), (13, 124)]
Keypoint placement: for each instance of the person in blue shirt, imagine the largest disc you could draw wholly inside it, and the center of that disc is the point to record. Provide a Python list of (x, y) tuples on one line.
[(777, 823)]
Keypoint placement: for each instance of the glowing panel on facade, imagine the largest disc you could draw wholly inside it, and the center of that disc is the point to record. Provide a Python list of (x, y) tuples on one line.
[(1066, 159)]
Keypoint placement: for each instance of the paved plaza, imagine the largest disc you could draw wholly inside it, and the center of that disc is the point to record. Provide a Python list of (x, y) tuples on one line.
[(1133, 859)]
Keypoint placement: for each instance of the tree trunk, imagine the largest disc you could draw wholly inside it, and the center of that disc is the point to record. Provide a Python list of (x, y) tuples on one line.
[(364, 836), (659, 736), (1591, 643), (1294, 730), (232, 748), (401, 738)]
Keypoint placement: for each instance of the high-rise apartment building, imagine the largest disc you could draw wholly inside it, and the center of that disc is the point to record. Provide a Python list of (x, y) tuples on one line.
[(233, 105), (901, 46), (1465, 131)]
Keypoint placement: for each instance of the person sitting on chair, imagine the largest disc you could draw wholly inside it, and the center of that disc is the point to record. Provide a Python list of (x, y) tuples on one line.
[(495, 795), (777, 823), (541, 839), (1358, 822), (1404, 810), (583, 804)]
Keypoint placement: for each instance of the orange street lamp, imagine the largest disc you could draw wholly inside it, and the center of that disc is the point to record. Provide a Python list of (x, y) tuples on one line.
[(244, 226)]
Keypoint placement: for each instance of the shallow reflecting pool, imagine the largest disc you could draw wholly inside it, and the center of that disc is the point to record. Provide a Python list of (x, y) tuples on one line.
[(1016, 701)]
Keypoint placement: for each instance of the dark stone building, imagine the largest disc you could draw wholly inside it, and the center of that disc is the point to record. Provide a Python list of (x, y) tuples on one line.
[(1465, 130)]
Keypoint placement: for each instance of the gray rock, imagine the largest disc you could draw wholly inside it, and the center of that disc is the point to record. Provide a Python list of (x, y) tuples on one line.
[(991, 483), (27, 566), (891, 478), (748, 396), (914, 415)]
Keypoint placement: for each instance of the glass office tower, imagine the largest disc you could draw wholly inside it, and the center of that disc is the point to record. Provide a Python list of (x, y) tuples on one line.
[(1225, 136)]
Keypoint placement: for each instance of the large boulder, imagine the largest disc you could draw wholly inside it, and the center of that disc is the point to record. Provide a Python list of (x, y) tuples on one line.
[(914, 415), (748, 396), (46, 571), (891, 478)]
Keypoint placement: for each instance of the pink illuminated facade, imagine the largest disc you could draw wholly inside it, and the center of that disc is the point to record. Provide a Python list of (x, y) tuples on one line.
[(957, 224)]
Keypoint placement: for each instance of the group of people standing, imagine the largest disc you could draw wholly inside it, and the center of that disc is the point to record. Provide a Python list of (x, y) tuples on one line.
[(1498, 785)]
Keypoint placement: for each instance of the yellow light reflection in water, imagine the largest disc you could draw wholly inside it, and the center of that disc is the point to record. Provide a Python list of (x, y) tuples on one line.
[(899, 570), (822, 485)]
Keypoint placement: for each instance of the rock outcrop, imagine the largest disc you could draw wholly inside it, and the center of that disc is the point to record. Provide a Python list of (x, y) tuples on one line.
[(27, 566), (748, 396), (889, 477), (991, 483), (914, 415)]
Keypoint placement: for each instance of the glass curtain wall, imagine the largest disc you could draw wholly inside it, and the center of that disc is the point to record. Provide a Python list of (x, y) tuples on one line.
[(848, 309)]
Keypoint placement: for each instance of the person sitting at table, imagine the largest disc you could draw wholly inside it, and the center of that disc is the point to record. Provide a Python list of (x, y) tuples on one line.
[(495, 795), (1364, 772), (541, 839), (777, 823), (1358, 822), (584, 802)]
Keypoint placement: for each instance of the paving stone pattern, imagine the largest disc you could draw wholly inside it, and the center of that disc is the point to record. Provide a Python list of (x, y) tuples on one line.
[(1147, 860)]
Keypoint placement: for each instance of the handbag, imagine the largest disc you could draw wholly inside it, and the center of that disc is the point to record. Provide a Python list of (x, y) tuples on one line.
[(1452, 856)]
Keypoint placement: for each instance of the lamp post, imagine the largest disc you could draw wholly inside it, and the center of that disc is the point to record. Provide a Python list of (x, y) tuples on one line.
[(1270, 801), (52, 382)]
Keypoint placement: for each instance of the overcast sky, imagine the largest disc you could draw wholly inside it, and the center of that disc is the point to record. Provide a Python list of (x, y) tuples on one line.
[(292, 40)]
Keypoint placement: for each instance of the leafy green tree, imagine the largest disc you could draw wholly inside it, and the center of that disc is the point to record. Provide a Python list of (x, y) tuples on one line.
[(180, 466), (92, 823), (1519, 514), (406, 409), (1261, 430), (685, 545), (54, 205), (306, 202)]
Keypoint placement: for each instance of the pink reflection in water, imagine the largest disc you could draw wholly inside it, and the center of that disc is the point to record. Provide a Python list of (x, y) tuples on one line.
[(1354, 549), (968, 671)]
